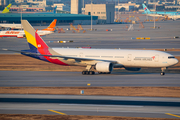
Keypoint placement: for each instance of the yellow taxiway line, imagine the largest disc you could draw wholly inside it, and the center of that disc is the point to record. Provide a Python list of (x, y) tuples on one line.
[(173, 115), (57, 112)]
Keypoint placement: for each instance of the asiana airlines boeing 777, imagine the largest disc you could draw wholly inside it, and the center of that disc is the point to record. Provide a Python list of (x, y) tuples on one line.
[(102, 60)]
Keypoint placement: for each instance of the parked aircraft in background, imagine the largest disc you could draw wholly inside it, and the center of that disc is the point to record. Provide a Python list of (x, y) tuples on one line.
[(102, 60), (6, 9), (12, 26), (159, 13), (174, 17), (20, 33)]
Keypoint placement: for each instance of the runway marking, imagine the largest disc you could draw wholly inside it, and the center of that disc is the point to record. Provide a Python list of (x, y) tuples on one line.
[(57, 112), (100, 105), (173, 115)]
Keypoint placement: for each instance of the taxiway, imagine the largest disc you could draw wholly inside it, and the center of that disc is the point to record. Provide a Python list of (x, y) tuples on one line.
[(153, 107)]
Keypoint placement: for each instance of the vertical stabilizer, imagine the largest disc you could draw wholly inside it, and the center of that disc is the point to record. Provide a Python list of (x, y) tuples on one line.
[(146, 10), (52, 26), (6, 9), (55, 10), (37, 45), (33, 39)]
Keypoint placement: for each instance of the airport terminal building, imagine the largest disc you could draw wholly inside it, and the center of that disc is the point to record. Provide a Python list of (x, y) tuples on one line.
[(46, 18)]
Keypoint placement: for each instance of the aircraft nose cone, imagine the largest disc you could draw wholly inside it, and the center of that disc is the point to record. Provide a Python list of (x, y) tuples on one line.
[(176, 61), (173, 61)]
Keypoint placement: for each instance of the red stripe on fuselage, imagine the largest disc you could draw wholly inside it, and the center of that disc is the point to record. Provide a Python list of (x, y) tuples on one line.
[(8, 35)]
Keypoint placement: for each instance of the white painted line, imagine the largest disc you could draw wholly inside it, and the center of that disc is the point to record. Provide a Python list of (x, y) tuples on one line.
[(100, 105)]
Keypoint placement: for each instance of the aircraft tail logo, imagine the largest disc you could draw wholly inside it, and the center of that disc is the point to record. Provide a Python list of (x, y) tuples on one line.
[(34, 40), (52, 26), (146, 9), (55, 10), (6, 9), (37, 45)]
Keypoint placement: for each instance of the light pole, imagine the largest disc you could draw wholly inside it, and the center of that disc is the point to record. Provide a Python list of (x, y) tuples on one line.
[(83, 7), (154, 23), (115, 10), (21, 14), (91, 15), (118, 9)]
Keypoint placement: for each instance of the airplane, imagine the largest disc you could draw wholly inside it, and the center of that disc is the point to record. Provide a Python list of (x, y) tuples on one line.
[(174, 17), (6, 9), (159, 13), (20, 33), (102, 60), (12, 26)]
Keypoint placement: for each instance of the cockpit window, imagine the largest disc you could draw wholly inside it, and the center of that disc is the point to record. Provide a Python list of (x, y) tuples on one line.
[(171, 57)]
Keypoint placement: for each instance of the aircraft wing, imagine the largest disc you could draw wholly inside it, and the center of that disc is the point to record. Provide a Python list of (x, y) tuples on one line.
[(61, 56)]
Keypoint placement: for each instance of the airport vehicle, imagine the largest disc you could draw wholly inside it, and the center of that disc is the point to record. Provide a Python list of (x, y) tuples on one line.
[(6, 9), (20, 33), (102, 60), (159, 13)]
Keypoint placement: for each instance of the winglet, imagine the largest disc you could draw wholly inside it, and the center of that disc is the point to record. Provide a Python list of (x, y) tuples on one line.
[(34, 40)]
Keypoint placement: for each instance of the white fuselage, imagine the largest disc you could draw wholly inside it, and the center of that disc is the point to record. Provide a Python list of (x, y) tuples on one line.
[(174, 17), (14, 26), (20, 33), (124, 57)]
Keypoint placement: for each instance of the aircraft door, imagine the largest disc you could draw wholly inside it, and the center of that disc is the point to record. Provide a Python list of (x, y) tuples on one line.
[(129, 57), (80, 54), (156, 59)]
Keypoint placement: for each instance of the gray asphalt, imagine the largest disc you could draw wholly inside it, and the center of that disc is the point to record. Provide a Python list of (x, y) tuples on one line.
[(55, 79), (97, 105)]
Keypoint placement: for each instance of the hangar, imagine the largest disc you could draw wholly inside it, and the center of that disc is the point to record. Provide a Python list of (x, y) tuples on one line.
[(46, 18)]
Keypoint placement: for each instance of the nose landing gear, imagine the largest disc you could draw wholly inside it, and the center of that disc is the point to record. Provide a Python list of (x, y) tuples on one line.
[(163, 71)]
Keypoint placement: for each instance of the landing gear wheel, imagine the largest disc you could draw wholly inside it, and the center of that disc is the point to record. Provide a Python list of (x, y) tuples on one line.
[(88, 72), (83, 72), (162, 73), (91, 72)]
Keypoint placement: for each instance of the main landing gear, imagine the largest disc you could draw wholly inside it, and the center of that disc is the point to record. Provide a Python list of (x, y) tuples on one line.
[(87, 71), (163, 71)]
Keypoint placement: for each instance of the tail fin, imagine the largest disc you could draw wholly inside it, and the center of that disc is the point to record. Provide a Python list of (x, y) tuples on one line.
[(34, 40), (146, 10), (55, 9), (6, 9), (52, 26)]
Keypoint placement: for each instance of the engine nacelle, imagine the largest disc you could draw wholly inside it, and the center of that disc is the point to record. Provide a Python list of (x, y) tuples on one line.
[(20, 36), (132, 69), (104, 67)]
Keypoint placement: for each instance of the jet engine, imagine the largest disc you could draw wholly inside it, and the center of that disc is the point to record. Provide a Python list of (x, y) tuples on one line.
[(20, 36), (104, 67), (132, 69)]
